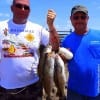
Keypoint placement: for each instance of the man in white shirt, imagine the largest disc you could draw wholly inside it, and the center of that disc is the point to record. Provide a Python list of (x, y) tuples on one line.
[(20, 40)]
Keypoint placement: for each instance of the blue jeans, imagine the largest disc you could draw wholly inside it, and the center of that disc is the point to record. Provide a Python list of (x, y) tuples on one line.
[(71, 95)]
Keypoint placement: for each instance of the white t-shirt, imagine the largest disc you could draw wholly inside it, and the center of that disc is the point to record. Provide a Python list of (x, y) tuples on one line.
[(19, 55)]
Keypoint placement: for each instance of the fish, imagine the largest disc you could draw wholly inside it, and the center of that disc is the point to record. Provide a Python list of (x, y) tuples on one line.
[(61, 72), (60, 76), (41, 62), (48, 74), (66, 53), (46, 69), (43, 50), (52, 70)]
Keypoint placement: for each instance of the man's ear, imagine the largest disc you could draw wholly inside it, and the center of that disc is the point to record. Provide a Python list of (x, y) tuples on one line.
[(11, 8), (70, 17), (88, 17)]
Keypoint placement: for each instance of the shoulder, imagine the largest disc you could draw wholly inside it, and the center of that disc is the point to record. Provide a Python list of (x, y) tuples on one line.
[(37, 27), (94, 32), (67, 39), (3, 25), (32, 24), (3, 22), (69, 36)]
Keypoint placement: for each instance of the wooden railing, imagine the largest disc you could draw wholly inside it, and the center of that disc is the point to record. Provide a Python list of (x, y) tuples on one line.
[(62, 34)]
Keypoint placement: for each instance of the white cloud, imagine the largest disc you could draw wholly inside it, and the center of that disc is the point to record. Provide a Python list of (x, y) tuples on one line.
[(4, 15)]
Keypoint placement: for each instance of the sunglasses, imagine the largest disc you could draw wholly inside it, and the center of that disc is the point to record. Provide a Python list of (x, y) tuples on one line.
[(20, 6), (79, 17)]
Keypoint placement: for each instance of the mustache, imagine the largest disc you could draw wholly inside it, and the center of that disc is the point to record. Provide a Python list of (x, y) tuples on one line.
[(79, 23)]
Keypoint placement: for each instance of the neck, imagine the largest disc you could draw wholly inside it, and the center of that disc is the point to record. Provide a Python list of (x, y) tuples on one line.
[(19, 22), (81, 32)]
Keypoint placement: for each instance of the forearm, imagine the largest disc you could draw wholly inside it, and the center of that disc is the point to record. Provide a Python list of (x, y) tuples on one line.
[(54, 38)]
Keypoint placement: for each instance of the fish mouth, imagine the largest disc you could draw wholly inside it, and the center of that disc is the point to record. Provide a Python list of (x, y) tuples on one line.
[(48, 49)]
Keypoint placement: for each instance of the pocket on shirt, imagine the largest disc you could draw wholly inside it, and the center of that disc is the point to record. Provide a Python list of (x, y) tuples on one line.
[(94, 48)]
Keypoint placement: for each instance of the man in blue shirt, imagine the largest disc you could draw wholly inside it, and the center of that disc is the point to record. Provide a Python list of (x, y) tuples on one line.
[(84, 68)]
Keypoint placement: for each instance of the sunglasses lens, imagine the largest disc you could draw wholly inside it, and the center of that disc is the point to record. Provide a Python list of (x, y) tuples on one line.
[(83, 17), (79, 17), (26, 7), (20, 6), (76, 17)]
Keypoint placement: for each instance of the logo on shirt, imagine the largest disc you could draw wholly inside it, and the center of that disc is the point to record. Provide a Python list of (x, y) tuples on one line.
[(29, 37), (16, 45)]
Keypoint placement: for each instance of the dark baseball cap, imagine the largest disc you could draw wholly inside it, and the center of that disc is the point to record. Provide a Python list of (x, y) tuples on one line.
[(79, 8)]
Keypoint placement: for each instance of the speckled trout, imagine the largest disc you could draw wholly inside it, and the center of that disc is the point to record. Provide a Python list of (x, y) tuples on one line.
[(52, 69), (60, 76), (43, 50), (46, 69)]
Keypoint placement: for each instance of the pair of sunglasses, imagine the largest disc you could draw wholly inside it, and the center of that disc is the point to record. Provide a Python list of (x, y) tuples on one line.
[(20, 6), (79, 17)]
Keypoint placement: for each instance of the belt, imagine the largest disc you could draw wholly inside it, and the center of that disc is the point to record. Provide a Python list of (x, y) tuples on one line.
[(19, 90), (12, 91)]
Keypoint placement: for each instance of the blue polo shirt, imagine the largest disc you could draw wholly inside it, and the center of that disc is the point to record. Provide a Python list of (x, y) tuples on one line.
[(84, 68)]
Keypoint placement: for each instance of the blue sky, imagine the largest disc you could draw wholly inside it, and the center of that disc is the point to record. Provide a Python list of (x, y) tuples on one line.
[(62, 8)]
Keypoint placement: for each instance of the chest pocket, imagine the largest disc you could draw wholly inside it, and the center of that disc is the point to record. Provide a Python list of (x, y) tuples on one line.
[(94, 49)]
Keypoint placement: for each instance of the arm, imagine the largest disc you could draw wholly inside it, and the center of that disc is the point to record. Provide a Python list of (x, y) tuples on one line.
[(54, 37)]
